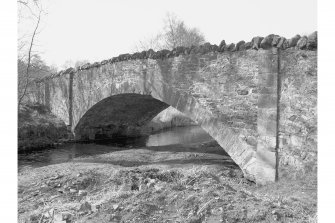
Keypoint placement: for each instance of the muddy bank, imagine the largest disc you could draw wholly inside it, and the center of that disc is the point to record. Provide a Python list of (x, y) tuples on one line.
[(195, 183), (39, 128)]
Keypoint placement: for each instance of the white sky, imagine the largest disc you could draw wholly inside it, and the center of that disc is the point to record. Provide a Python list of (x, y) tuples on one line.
[(100, 29)]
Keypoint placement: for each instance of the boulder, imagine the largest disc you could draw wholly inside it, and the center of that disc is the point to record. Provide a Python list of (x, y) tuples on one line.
[(164, 53), (151, 183), (256, 41), (114, 59), (96, 64), (143, 55), (82, 192), (275, 40), (293, 41), (280, 43), (73, 190), (285, 44), (66, 216), (135, 56), (222, 46), (248, 45), (312, 41), (156, 55), (240, 45), (302, 43), (230, 47), (104, 62), (161, 54), (69, 70), (178, 50), (85, 207), (158, 187), (214, 48), (149, 53), (267, 42)]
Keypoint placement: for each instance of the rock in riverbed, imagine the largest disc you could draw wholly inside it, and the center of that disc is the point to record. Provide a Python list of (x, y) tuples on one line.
[(82, 192), (85, 207)]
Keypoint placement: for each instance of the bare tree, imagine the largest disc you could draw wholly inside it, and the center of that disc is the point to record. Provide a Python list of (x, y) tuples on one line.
[(25, 48), (155, 43), (178, 34), (175, 33), (70, 63)]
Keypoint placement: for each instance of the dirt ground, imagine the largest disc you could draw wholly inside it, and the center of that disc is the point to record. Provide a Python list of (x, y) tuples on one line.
[(194, 183)]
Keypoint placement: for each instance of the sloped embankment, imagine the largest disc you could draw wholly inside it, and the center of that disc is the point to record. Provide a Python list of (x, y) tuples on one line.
[(38, 127), (176, 183)]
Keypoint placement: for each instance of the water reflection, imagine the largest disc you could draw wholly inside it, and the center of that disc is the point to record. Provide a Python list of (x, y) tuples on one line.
[(65, 153), (181, 135)]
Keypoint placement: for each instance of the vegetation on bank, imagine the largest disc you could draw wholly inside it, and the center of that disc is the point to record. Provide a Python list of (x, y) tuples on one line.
[(38, 127)]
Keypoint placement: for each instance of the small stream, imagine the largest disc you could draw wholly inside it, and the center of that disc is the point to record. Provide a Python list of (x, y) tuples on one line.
[(67, 152)]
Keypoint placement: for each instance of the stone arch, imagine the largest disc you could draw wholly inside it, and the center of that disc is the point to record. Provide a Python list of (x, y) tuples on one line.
[(143, 107)]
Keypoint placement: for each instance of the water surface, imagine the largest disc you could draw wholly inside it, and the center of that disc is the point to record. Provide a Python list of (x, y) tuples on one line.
[(67, 152)]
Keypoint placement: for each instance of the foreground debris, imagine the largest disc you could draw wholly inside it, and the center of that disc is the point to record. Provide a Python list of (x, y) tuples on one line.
[(198, 191)]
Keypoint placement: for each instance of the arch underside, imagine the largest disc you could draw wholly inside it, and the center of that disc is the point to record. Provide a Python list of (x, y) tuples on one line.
[(117, 116)]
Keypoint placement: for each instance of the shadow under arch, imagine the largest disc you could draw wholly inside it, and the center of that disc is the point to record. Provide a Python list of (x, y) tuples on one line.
[(118, 115)]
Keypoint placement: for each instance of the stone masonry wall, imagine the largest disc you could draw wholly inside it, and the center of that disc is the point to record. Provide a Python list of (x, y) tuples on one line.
[(298, 109), (59, 96), (232, 91)]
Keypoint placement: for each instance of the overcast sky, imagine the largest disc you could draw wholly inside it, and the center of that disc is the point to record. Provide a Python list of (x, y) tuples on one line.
[(101, 29)]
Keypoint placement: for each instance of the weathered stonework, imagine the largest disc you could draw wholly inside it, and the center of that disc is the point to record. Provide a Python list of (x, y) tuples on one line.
[(234, 96), (298, 109)]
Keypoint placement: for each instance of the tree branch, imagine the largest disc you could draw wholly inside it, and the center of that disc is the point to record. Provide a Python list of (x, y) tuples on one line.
[(29, 59)]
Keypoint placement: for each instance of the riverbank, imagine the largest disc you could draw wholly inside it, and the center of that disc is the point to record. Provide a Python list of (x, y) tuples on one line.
[(176, 183), (38, 128)]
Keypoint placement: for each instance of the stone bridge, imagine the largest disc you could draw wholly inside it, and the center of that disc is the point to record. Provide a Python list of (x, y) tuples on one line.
[(232, 91)]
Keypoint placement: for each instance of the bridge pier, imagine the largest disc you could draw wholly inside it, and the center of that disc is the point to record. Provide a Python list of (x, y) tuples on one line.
[(71, 99), (268, 118)]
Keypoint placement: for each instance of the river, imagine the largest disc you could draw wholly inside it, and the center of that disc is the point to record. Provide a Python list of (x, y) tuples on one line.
[(67, 152)]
